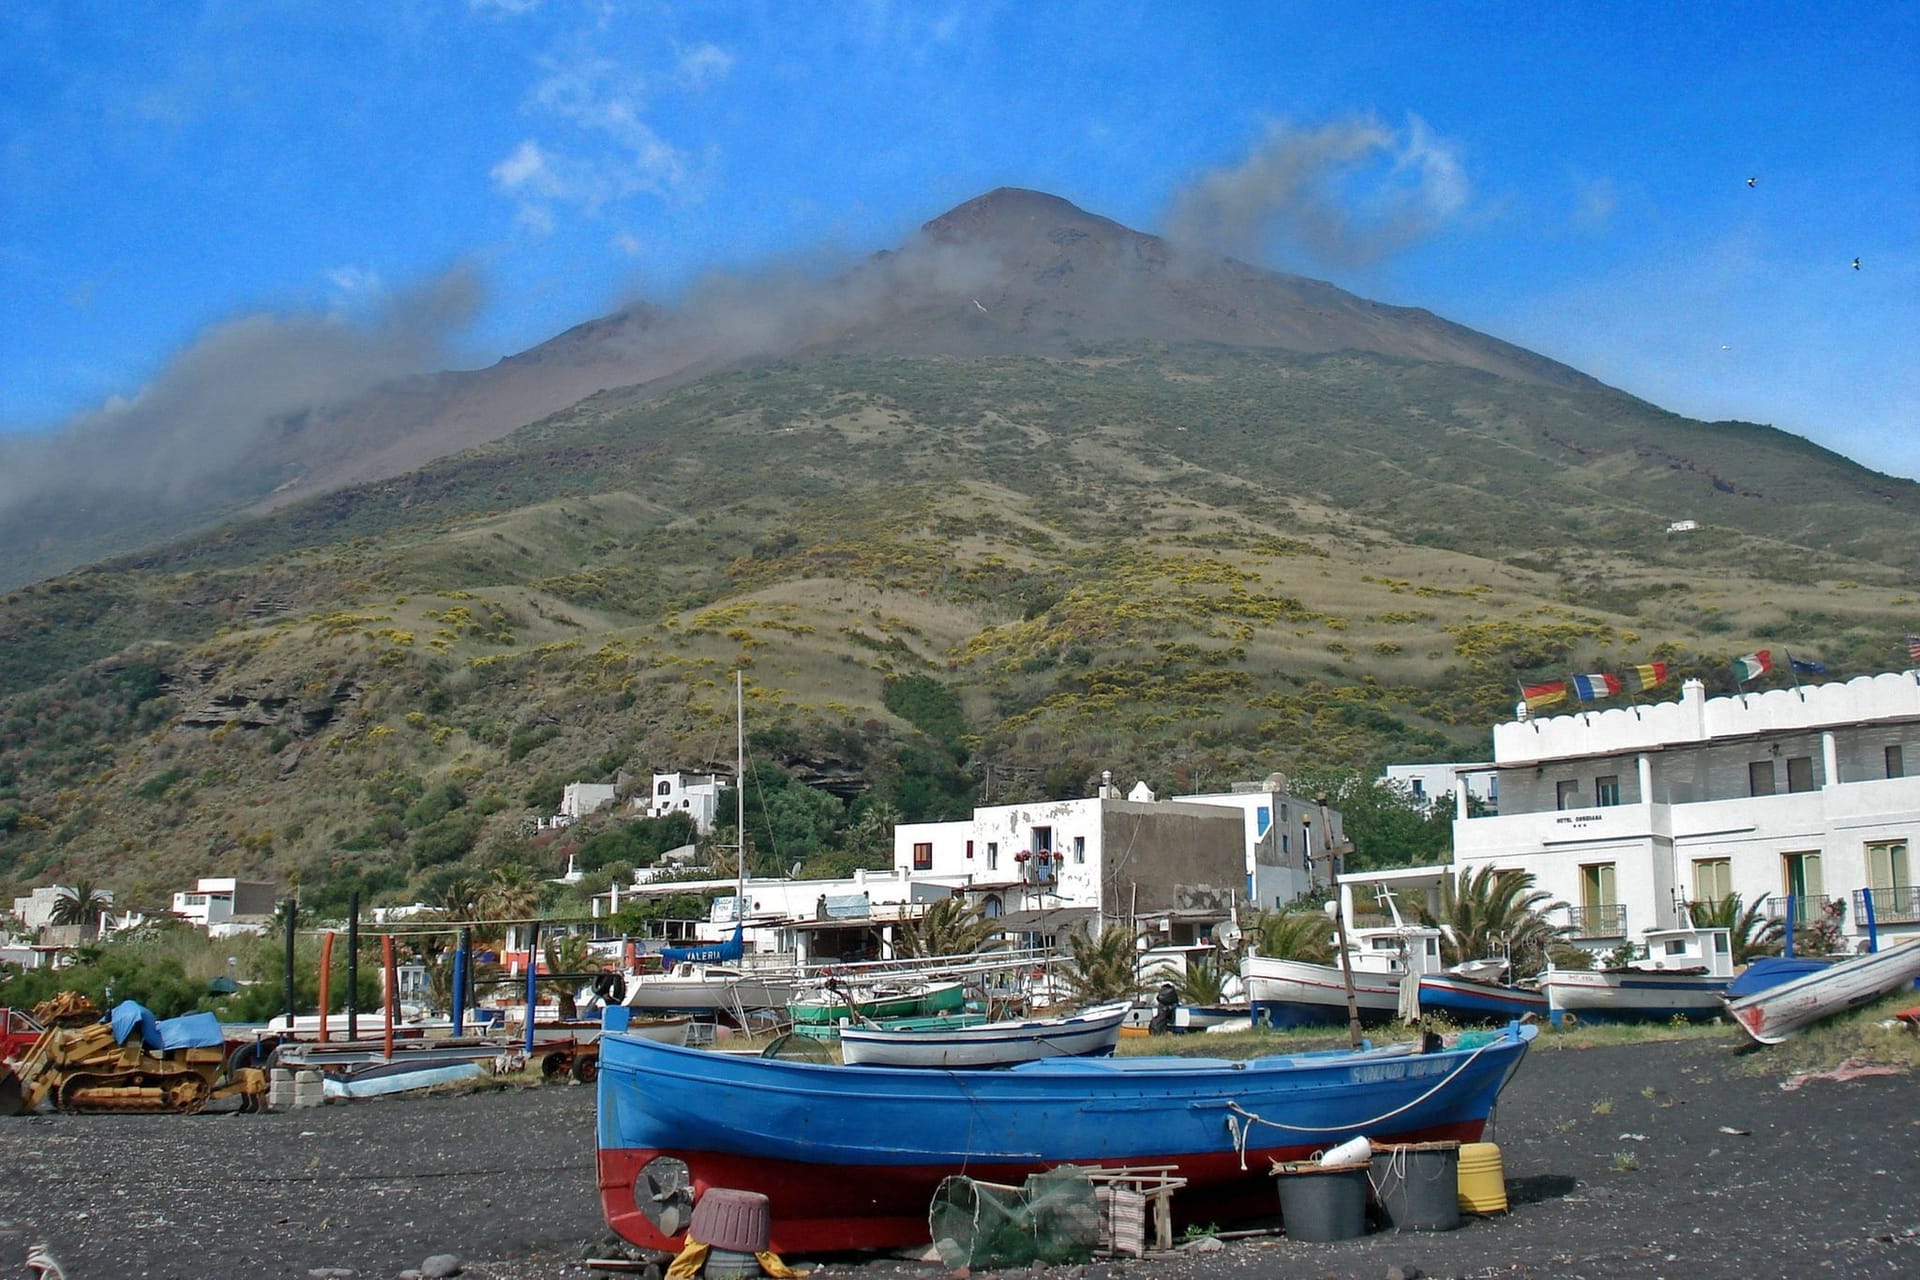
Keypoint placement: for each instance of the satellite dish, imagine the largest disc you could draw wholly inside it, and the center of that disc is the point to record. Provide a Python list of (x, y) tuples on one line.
[(1228, 935)]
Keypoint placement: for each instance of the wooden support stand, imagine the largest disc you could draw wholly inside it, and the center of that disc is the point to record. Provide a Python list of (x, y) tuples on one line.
[(1132, 1197)]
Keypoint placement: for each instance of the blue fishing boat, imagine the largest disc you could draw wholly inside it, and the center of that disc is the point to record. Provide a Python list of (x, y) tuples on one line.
[(849, 1157), (1467, 999)]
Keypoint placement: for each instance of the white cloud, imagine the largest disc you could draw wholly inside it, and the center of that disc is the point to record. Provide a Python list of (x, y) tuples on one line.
[(702, 65), (525, 166), (354, 283), (628, 243)]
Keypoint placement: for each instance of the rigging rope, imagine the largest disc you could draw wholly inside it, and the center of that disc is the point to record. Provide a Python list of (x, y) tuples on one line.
[(1249, 1119)]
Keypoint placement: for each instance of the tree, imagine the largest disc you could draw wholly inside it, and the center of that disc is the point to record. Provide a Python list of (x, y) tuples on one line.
[(1104, 968), (82, 903), (1306, 936), (1201, 983), (1388, 826), (567, 954), (949, 928), (1490, 912), (1749, 929)]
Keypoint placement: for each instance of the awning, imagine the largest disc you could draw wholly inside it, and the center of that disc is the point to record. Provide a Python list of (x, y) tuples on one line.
[(1044, 920)]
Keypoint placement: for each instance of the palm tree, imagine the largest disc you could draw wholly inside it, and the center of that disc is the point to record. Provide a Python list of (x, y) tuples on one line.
[(1306, 936), (949, 928), (1491, 912), (1104, 968), (1751, 932), (567, 954), (1201, 983), (81, 903), (460, 898)]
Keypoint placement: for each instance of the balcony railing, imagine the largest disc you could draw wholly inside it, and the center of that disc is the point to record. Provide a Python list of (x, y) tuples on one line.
[(1608, 921), (1808, 908), (1899, 905)]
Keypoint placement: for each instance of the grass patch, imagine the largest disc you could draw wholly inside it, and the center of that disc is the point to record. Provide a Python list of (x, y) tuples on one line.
[(1593, 1037), (1856, 1037)]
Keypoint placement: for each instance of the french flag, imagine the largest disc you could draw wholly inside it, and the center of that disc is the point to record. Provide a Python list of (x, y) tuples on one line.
[(1592, 687)]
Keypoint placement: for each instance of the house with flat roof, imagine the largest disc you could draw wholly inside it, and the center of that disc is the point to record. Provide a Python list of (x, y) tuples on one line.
[(1797, 798)]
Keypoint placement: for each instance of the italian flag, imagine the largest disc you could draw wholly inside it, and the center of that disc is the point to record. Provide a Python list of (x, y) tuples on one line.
[(1753, 666)]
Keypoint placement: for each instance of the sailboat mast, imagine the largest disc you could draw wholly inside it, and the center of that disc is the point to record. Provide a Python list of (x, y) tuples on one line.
[(740, 790)]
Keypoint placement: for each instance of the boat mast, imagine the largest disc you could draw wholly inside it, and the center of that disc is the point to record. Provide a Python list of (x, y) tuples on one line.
[(740, 796)]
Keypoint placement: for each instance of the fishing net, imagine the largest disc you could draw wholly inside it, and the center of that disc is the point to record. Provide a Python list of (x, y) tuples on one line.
[(1053, 1218)]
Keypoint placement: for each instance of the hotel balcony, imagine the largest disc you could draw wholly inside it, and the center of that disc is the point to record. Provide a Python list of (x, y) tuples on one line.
[(1900, 905), (1608, 921)]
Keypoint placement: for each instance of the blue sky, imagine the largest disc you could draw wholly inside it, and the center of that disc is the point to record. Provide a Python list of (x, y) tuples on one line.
[(1570, 178)]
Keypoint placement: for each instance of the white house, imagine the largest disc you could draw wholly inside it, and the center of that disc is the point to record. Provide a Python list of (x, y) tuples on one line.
[(1286, 838), (1630, 813), (695, 794), (577, 800), (1063, 864), (1433, 784), (223, 905)]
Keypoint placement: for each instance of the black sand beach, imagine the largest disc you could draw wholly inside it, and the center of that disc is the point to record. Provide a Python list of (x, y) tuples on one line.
[(1664, 1159)]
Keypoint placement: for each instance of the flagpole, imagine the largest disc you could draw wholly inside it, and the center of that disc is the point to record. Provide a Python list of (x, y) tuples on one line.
[(1792, 670)]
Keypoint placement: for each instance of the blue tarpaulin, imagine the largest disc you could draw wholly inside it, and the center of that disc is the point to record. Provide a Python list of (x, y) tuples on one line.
[(188, 1031)]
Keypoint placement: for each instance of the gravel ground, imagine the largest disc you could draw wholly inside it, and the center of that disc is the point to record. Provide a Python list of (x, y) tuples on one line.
[(1619, 1162)]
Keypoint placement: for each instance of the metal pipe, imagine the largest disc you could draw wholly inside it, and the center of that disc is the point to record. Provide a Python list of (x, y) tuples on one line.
[(460, 981), (293, 923), (533, 978), (326, 982), (353, 965), (393, 990), (1873, 927)]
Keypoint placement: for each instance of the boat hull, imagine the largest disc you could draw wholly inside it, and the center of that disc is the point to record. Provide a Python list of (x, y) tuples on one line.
[(661, 994), (1291, 993), (989, 1044), (1776, 1013), (849, 1158), (828, 1009), (1470, 1000), (1597, 996)]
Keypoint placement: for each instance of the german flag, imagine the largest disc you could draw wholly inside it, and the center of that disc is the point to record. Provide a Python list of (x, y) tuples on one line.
[(1544, 694)]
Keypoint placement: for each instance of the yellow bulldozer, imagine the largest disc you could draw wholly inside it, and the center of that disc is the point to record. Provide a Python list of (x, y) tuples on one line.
[(79, 1065)]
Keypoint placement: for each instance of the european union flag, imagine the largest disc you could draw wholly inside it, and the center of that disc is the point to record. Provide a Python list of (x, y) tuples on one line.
[(1808, 665)]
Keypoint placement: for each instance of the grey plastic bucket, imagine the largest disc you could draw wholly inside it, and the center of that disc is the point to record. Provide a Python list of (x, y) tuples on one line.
[(1418, 1185), (1322, 1202)]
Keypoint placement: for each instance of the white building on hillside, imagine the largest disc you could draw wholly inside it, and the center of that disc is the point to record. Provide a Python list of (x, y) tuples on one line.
[(1629, 814), (577, 800), (695, 794), (223, 905), (1287, 839), (1435, 784)]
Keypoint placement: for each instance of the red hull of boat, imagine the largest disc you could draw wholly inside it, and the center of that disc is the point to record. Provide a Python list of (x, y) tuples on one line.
[(831, 1209)]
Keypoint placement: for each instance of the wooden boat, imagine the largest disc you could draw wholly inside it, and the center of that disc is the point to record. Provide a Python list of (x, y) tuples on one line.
[(1476, 991), (1773, 1014), (695, 987), (987, 1044), (826, 1005), (1682, 975), (1774, 971), (849, 1157), (1205, 1017), (1295, 993)]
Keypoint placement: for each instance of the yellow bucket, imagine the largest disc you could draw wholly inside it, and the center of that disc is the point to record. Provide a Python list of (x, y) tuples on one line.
[(1483, 1186)]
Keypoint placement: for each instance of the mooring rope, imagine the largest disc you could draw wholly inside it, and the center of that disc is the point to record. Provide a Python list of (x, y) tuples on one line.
[(1249, 1118)]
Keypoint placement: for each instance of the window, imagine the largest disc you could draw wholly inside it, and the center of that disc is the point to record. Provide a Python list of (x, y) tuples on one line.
[(969, 851), (1800, 876), (923, 856), (1596, 885), (1896, 762), (1799, 773), (1042, 840), (1712, 879), (1606, 790), (1760, 778), (1079, 849), (1887, 865), (1566, 794), (993, 855), (663, 788)]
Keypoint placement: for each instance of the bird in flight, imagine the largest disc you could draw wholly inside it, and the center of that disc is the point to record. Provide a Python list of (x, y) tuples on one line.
[(1751, 181), (976, 301), (1856, 264)]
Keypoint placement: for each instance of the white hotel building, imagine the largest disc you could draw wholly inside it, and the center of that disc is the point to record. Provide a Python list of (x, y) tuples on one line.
[(1627, 814)]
